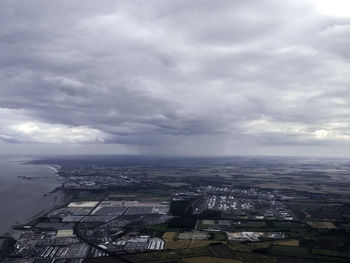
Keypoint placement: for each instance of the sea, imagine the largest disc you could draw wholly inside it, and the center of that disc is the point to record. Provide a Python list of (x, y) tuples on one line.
[(25, 191)]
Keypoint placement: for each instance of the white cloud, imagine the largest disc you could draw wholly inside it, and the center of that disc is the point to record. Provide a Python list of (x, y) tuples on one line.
[(54, 133), (303, 132), (15, 127), (337, 8)]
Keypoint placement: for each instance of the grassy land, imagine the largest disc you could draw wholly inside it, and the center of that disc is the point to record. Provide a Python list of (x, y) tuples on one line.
[(254, 224), (209, 260), (204, 243), (288, 243), (158, 256), (254, 257), (302, 233), (249, 246), (194, 252), (288, 225), (290, 251), (159, 227), (219, 236), (172, 243), (333, 253), (178, 244), (321, 255)]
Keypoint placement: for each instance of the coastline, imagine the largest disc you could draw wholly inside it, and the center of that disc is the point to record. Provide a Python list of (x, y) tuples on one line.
[(27, 199), (58, 201), (58, 196), (53, 167)]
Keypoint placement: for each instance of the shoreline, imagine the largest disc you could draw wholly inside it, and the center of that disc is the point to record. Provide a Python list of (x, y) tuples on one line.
[(57, 201), (53, 198), (58, 196), (54, 167)]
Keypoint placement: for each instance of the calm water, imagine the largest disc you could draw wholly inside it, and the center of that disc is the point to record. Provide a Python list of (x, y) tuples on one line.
[(21, 199)]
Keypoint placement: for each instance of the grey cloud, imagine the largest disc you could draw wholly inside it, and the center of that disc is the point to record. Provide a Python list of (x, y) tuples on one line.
[(160, 75), (336, 39)]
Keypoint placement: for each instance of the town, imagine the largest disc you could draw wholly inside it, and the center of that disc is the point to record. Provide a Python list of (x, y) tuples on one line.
[(143, 214)]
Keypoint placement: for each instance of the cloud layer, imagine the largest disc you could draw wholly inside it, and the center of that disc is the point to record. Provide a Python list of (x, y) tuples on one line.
[(185, 77)]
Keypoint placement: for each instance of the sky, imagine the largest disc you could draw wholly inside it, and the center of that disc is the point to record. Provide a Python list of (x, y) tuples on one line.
[(175, 77)]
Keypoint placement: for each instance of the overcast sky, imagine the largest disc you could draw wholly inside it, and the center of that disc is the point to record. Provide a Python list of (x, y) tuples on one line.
[(175, 77)]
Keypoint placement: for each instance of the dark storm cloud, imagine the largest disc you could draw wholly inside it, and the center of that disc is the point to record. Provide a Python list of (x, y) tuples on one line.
[(213, 76)]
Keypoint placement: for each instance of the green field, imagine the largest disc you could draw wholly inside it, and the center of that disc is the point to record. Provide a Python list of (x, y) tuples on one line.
[(290, 251), (159, 227), (219, 236), (288, 225), (333, 253), (249, 246)]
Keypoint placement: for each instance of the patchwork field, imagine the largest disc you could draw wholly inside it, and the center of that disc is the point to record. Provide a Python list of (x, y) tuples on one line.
[(170, 243), (322, 225), (204, 243), (289, 243)]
